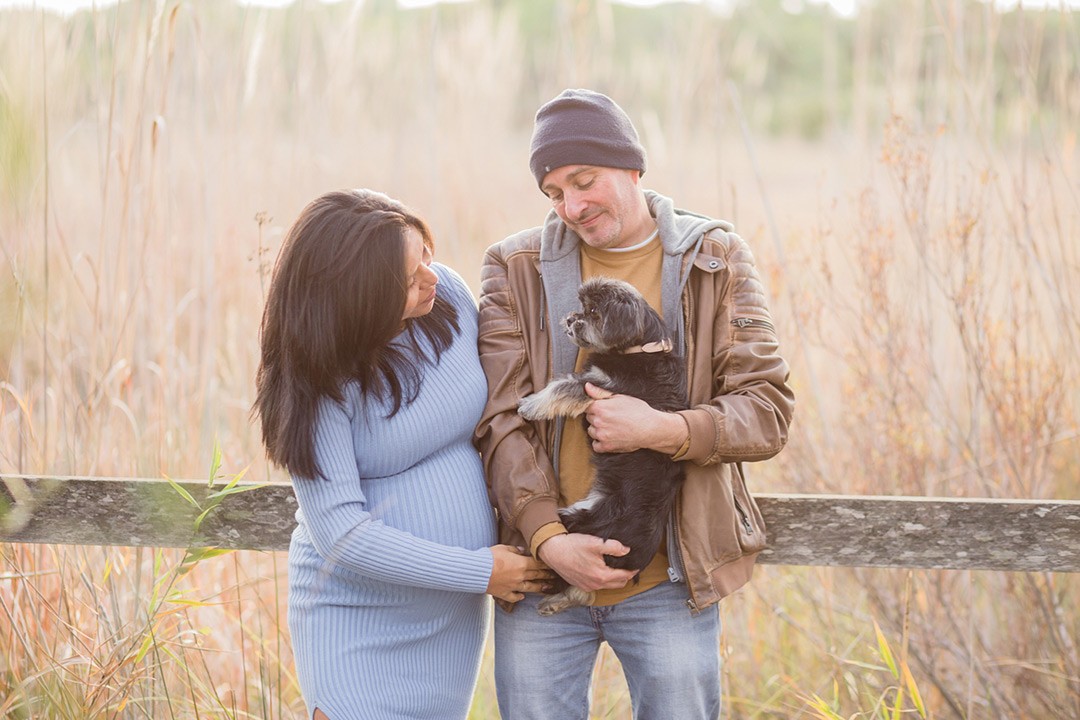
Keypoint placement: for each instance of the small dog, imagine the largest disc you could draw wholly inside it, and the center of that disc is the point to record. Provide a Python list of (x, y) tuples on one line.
[(631, 354)]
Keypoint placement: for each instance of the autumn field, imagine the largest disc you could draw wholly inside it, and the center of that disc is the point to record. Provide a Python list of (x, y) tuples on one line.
[(909, 181)]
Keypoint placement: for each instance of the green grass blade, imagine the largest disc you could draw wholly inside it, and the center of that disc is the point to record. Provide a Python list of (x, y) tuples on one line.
[(885, 651)]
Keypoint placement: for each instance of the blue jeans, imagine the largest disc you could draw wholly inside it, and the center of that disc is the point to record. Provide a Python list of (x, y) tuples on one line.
[(544, 665)]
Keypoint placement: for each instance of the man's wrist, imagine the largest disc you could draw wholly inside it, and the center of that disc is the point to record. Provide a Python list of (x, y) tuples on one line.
[(548, 546), (545, 533), (673, 434)]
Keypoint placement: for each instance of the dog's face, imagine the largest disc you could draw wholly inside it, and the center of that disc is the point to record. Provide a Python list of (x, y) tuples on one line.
[(613, 317)]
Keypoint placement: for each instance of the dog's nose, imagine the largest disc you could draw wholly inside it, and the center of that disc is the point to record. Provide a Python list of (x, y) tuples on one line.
[(574, 322)]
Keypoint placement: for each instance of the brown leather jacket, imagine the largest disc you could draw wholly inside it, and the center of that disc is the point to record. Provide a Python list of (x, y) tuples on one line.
[(740, 403)]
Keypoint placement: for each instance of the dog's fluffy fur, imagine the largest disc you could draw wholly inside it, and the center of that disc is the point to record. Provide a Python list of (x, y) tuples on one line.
[(633, 492)]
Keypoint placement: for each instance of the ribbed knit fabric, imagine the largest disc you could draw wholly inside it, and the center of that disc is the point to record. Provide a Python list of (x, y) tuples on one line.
[(389, 561)]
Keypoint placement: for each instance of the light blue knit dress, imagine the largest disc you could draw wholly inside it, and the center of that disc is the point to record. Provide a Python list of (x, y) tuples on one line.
[(389, 562)]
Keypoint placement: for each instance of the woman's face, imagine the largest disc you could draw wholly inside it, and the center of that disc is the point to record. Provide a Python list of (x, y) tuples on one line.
[(420, 279)]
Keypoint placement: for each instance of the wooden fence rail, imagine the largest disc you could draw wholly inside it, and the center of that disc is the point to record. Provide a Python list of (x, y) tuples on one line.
[(830, 530)]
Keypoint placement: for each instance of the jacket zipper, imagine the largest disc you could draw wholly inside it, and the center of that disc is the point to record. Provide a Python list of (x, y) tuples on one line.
[(741, 479), (554, 427), (543, 304), (690, 604), (743, 517), (745, 322), (689, 342)]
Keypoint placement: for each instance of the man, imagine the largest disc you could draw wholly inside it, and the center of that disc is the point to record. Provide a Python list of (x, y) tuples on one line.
[(586, 157)]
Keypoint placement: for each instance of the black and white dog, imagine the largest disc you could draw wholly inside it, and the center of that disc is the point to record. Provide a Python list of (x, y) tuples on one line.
[(633, 493)]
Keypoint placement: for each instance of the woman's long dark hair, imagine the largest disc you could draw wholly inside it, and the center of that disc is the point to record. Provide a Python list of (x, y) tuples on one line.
[(336, 301)]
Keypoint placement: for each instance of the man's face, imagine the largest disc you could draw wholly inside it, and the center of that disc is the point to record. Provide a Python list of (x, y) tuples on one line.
[(600, 204)]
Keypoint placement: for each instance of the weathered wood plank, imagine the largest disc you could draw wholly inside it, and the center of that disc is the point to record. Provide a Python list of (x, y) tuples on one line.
[(830, 530), (922, 532), (147, 512)]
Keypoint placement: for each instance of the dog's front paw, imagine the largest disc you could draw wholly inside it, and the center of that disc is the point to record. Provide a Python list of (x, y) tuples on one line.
[(533, 407), (564, 397)]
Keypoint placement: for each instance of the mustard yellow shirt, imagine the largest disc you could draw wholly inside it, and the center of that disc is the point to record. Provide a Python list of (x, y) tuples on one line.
[(640, 266)]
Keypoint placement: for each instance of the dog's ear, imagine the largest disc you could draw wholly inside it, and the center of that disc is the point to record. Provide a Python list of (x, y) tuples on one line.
[(653, 327), (625, 317)]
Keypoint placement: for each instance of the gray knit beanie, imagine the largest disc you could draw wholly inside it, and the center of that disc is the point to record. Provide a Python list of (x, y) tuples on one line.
[(582, 127)]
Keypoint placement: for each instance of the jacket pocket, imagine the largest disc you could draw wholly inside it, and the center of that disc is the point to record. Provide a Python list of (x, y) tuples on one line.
[(751, 526)]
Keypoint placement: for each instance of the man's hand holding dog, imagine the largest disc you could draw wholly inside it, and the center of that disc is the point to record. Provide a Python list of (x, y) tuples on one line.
[(579, 559), (621, 423)]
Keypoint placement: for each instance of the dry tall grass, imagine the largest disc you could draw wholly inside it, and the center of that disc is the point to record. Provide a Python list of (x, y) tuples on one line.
[(921, 249)]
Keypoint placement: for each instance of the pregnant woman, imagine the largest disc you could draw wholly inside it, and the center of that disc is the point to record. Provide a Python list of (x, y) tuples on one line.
[(368, 391)]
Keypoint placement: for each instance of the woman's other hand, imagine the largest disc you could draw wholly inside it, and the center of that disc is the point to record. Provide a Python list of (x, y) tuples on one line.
[(515, 573)]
